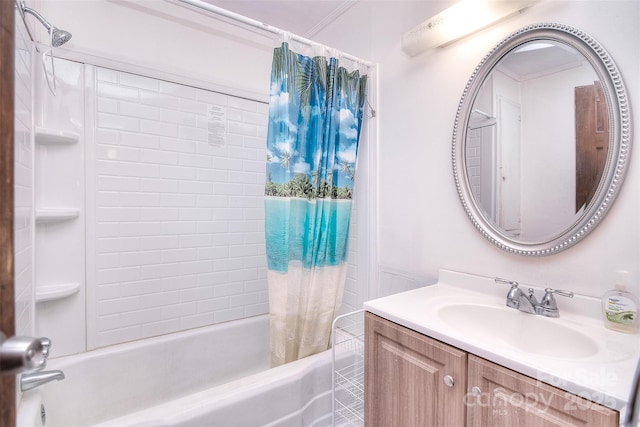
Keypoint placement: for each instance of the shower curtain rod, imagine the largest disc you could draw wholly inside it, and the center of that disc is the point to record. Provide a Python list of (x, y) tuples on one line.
[(199, 4)]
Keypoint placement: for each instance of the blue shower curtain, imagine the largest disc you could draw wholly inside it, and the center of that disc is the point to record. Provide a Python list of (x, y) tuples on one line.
[(315, 117)]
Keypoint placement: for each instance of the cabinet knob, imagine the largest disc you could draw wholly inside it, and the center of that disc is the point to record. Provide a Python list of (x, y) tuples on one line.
[(475, 390), (448, 380)]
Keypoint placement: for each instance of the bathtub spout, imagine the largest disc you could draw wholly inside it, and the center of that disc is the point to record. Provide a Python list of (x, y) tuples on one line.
[(36, 379)]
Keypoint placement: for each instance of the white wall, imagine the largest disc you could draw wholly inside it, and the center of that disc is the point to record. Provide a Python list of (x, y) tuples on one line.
[(422, 224)]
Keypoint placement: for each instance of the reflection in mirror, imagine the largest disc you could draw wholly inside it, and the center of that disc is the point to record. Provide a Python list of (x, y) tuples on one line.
[(541, 140), (537, 140)]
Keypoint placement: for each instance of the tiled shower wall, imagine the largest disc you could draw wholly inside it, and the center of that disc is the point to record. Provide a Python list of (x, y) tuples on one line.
[(178, 211), (23, 175)]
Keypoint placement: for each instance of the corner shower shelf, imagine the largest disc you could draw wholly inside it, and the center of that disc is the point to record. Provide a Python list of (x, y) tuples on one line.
[(47, 136), (54, 292), (56, 214)]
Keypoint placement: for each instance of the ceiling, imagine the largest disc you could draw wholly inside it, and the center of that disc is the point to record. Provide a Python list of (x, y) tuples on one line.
[(301, 17)]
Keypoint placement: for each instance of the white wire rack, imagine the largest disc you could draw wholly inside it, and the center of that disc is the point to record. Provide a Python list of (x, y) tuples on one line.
[(347, 337)]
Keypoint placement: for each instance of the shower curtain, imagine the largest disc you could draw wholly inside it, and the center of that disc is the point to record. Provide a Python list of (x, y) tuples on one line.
[(315, 117)]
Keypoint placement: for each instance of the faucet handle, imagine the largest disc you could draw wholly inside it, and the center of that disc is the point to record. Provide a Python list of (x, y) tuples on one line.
[(513, 296), (46, 349), (532, 297), (548, 306)]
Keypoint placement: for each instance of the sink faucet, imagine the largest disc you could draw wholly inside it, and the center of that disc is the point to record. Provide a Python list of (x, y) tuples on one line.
[(528, 303), (36, 379)]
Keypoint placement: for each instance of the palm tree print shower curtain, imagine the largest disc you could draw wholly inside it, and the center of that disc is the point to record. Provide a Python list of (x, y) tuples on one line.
[(315, 117)]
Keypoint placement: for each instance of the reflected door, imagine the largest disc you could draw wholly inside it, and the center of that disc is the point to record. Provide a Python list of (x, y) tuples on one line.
[(592, 140)]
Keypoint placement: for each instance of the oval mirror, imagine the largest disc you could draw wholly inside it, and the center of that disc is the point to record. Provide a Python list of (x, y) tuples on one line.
[(541, 139)]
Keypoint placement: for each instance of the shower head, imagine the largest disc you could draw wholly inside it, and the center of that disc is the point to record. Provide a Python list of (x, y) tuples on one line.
[(58, 36)]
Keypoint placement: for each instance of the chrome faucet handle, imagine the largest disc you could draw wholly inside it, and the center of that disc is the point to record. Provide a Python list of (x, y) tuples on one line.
[(532, 297), (513, 296), (548, 306), (46, 349)]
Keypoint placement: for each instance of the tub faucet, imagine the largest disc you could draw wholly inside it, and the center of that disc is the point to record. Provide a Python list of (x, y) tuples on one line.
[(35, 379)]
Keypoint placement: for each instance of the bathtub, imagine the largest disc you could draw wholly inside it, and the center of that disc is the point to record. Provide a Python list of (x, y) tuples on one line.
[(206, 377)]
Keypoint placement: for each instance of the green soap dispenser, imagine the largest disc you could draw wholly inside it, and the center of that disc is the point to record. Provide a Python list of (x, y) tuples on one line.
[(620, 307)]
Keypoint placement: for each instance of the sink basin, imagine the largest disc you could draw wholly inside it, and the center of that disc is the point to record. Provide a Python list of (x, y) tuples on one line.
[(524, 332)]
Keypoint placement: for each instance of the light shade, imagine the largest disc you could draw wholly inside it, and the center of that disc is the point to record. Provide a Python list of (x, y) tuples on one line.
[(459, 20)]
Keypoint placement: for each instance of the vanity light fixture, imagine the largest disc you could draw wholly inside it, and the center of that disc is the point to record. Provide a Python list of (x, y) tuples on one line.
[(458, 21)]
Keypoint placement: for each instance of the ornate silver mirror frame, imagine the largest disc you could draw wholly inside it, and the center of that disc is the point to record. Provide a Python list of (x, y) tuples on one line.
[(615, 167)]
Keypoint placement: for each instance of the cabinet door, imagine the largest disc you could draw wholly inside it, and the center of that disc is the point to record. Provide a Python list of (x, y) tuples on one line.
[(405, 378), (507, 398)]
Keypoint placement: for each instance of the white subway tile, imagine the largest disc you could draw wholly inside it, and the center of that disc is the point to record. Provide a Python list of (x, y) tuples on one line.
[(136, 259), (253, 213), (195, 214), (157, 185), (111, 121), (158, 100), (141, 316), (106, 105), (227, 188), (234, 115), (138, 199), (158, 242), (195, 187), (160, 328), (228, 289), (178, 90), (213, 279), (229, 239), (246, 250), (179, 145), (116, 275), (106, 75), (242, 104), (196, 321), (179, 255), (242, 177), (138, 140), (244, 129), (213, 175), (227, 264), (228, 214), (256, 309), (259, 143), (158, 214), (243, 299), (117, 244), (196, 267), (212, 227), (242, 275), (177, 172), (158, 128), (195, 240), (193, 134), (180, 282), (196, 294), (109, 90), (141, 287), (210, 253), (213, 305), (195, 160), (178, 227), (179, 310), (104, 214), (117, 183), (141, 111), (160, 271), (179, 117), (210, 97), (137, 81), (177, 200), (228, 315), (194, 107), (159, 157), (254, 118)]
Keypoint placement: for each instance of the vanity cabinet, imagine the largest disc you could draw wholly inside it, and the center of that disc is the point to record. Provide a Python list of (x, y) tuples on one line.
[(414, 380)]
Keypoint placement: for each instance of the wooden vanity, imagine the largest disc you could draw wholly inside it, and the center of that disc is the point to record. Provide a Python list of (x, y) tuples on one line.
[(414, 380), (453, 354)]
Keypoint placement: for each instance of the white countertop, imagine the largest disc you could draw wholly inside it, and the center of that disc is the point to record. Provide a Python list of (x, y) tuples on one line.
[(603, 376)]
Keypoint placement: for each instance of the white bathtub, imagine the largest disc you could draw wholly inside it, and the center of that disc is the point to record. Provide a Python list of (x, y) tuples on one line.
[(207, 377)]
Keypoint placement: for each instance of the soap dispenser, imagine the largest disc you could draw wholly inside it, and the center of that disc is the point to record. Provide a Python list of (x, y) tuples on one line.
[(620, 307)]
